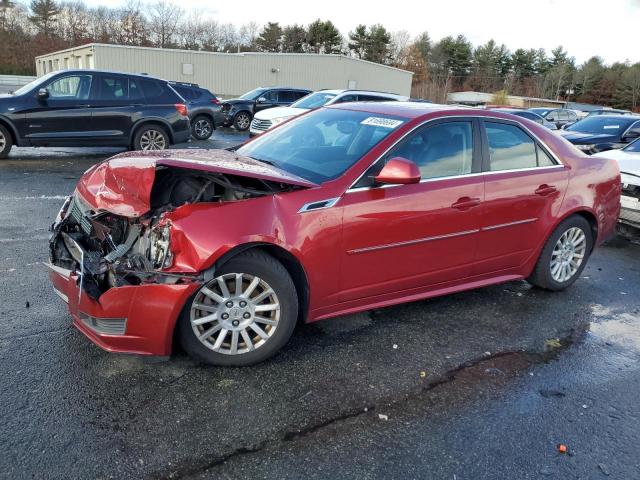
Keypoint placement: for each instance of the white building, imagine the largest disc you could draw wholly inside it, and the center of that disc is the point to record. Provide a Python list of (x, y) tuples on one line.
[(231, 74)]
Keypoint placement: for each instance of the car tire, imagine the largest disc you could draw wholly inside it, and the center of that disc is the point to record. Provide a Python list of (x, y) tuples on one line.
[(151, 137), (6, 142), (564, 255), (213, 312), (201, 127), (242, 121)]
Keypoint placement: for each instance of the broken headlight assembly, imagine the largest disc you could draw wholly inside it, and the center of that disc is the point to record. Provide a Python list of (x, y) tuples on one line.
[(160, 247)]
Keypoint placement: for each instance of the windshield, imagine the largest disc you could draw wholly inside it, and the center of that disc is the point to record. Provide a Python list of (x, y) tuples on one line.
[(600, 124), (26, 88), (253, 94), (314, 100), (322, 145), (633, 147)]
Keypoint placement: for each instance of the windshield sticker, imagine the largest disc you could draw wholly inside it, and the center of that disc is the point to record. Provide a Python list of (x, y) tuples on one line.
[(608, 127), (381, 122)]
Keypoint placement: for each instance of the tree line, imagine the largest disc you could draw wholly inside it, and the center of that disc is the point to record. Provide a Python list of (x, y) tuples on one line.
[(449, 64)]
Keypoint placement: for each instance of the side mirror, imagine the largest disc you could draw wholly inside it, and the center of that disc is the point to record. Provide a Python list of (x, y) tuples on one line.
[(550, 119), (262, 100), (43, 94), (398, 171)]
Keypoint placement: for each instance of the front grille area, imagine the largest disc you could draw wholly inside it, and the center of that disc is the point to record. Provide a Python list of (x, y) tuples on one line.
[(258, 124), (105, 326), (78, 213)]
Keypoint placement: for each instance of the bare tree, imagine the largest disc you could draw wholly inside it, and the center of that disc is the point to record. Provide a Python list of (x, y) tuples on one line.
[(74, 22), (399, 48), (248, 34), (164, 21), (132, 26)]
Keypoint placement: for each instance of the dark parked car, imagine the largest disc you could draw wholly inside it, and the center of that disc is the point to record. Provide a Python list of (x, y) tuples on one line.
[(205, 110), (609, 111), (240, 111), (560, 116), (603, 132), (533, 116), (90, 108)]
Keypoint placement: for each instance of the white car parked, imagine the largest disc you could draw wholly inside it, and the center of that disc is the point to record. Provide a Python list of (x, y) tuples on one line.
[(628, 159), (269, 118)]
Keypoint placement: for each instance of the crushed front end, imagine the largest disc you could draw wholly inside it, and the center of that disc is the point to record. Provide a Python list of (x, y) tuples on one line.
[(111, 253)]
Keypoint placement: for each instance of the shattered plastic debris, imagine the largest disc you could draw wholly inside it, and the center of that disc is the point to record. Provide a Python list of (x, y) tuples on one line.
[(395, 346), (562, 448), (382, 416), (603, 468), (423, 374)]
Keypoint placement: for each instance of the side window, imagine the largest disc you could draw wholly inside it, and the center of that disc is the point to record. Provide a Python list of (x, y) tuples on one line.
[(563, 116), (441, 150), (347, 98), (113, 88), (509, 147), (298, 95), (552, 116), (286, 96), (271, 96), (154, 92), (135, 91), (72, 87)]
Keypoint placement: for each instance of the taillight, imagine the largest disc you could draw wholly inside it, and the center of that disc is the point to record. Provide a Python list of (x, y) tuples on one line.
[(182, 109), (215, 100)]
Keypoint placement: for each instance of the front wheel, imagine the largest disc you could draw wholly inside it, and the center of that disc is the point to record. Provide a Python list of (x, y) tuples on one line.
[(244, 315), (242, 121), (151, 137), (564, 256)]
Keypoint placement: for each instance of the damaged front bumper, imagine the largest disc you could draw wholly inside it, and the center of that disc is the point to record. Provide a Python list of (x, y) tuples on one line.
[(131, 319), (630, 200)]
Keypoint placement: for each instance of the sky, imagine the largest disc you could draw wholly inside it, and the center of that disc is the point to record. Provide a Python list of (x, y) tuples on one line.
[(607, 28)]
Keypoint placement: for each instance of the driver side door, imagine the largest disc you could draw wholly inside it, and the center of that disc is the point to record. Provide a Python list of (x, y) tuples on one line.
[(409, 238), (65, 115)]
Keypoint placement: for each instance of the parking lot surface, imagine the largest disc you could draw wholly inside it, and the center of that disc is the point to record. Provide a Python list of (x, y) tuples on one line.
[(482, 384)]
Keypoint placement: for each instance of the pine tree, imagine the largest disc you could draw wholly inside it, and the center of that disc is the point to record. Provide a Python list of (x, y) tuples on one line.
[(358, 40), (44, 13), (270, 39)]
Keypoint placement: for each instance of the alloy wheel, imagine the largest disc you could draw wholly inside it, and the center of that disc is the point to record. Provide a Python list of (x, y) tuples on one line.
[(242, 121), (152, 140), (568, 254), (202, 128), (235, 313), (3, 141)]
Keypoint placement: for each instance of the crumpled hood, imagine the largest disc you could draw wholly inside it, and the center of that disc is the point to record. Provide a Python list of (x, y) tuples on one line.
[(586, 138), (122, 184), (235, 101)]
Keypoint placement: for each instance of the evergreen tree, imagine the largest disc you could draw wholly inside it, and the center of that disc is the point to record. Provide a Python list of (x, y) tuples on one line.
[(270, 39), (43, 15), (377, 46), (293, 38), (358, 40), (324, 37)]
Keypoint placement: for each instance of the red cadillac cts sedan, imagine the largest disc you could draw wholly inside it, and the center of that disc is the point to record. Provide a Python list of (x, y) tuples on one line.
[(346, 208)]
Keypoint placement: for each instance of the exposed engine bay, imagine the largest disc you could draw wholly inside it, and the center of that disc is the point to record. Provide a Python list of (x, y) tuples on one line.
[(109, 250)]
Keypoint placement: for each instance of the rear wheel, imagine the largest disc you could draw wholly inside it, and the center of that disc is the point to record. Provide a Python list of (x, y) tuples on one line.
[(151, 137), (6, 142), (242, 121), (564, 256), (244, 315), (202, 127)]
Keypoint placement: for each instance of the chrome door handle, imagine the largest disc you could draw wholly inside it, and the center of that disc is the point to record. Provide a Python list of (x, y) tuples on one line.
[(545, 190), (465, 203)]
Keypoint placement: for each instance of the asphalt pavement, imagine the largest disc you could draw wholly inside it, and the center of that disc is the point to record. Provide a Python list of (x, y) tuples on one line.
[(478, 385)]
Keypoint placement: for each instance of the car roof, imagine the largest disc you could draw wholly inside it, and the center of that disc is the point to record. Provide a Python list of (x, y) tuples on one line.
[(400, 109), (114, 72)]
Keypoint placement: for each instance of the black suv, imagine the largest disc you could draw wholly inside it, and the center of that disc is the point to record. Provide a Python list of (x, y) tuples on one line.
[(93, 108), (205, 111), (239, 111)]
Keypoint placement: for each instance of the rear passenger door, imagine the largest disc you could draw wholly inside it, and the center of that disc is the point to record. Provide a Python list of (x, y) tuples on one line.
[(115, 102), (524, 187)]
